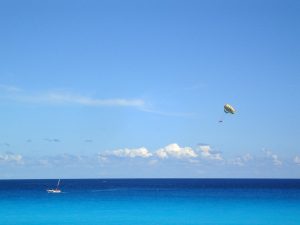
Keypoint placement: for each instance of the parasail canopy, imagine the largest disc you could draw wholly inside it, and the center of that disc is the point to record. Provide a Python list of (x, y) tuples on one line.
[(229, 109)]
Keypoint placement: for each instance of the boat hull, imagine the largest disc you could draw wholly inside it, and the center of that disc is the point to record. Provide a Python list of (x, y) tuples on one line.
[(54, 191)]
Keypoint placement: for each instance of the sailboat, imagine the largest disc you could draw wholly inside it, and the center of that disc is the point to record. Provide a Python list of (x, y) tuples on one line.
[(56, 190)]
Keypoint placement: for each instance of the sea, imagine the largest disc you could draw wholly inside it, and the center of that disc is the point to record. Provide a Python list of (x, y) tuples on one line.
[(151, 202)]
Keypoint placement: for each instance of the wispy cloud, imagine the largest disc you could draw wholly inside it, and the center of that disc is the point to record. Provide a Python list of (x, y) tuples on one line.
[(241, 160), (9, 88), (52, 140), (297, 160), (67, 98), (64, 159), (206, 152), (273, 157), (10, 157), (62, 97)]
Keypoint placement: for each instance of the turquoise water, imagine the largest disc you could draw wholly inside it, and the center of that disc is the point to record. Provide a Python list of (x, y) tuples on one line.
[(151, 202)]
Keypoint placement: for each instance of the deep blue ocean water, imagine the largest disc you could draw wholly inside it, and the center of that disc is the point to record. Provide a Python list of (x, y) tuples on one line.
[(151, 202)]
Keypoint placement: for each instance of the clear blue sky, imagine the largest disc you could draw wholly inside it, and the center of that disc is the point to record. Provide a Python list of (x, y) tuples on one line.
[(135, 88)]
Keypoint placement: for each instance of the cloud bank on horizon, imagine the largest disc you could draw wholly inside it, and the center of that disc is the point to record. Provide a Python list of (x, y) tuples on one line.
[(166, 160)]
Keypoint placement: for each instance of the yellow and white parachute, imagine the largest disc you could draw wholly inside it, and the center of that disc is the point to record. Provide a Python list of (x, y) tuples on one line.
[(229, 109)]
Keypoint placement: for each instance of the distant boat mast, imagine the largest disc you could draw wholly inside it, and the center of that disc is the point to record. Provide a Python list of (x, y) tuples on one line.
[(57, 184)]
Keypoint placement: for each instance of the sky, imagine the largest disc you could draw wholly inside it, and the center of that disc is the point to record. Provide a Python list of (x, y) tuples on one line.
[(135, 89)]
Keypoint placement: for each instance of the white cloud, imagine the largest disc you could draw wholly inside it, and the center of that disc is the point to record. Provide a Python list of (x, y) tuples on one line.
[(175, 151), (273, 157), (64, 159), (247, 157), (276, 161), (207, 153), (153, 162), (205, 148), (11, 158), (237, 161), (131, 153), (170, 151), (102, 158), (241, 160), (297, 160), (43, 162)]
